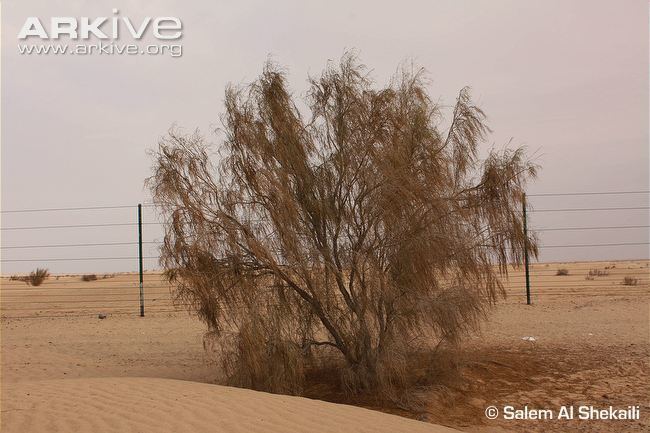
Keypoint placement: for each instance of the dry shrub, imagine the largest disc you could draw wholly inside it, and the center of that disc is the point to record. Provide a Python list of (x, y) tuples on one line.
[(261, 356), (37, 277), (89, 277), (359, 233), (429, 373), (598, 272), (630, 281), (562, 272)]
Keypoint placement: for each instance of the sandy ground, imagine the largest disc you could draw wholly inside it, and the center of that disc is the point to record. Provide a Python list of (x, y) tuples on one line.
[(165, 405), (63, 369)]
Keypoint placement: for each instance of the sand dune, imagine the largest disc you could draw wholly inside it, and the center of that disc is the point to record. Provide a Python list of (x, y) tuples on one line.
[(165, 405)]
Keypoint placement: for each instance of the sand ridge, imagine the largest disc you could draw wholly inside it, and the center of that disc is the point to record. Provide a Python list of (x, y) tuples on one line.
[(128, 405)]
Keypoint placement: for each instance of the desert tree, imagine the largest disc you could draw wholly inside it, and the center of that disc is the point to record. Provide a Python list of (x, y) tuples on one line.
[(363, 226)]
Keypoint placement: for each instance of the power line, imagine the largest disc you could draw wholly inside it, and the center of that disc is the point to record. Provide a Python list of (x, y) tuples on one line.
[(181, 307), (586, 265), (590, 209), (14, 295), (149, 204), (101, 244), (61, 259), (547, 281), (56, 284), (153, 205), (77, 208), (559, 194), (78, 301), (551, 229), (58, 209), (595, 245), (77, 226), (585, 284), (31, 290), (79, 245), (74, 286), (86, 314), (544, 229), (72, 309), (543, 278), (532, 210)]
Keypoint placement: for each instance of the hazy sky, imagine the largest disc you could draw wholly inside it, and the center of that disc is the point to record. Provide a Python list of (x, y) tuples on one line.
[(569, 79)]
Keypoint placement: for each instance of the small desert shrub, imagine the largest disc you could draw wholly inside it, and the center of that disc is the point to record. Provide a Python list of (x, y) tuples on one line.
[(37, 277), (562, 272), (630, 281), (598, 273), (89, 277), (23, 278)]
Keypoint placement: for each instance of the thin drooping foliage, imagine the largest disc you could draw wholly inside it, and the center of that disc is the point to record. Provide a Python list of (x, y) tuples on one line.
[(365, 229)]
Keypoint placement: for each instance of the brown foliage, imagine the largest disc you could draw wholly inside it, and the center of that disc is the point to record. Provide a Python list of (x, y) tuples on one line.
[(598, 272), (630, 281), (365, 232), (37, 277)]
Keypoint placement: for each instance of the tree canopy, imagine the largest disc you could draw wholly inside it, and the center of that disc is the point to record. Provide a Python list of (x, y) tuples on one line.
[(362, 227)]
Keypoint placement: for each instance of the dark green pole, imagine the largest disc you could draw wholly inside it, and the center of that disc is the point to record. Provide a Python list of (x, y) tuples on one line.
[(140, 259), (526, 252)]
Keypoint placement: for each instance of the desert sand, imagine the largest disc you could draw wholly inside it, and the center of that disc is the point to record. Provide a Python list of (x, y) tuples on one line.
[(166, 405), (64, 369)]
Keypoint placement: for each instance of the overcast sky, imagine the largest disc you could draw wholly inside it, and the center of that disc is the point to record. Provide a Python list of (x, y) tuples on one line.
[(568, 79)]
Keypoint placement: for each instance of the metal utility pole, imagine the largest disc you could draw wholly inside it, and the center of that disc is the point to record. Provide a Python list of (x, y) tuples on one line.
[(140, 259), (526, 252)]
